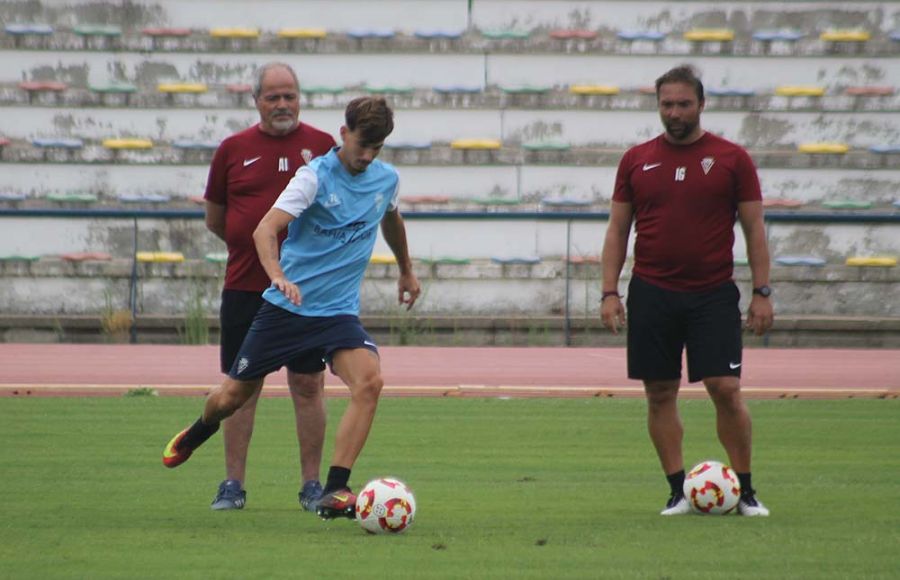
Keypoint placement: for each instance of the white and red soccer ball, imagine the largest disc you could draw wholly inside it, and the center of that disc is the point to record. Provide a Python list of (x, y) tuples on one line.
[(385, 506), (712, 488)]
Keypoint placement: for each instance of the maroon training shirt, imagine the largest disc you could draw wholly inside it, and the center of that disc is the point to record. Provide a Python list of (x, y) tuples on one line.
[(685, 201), (249, 171)]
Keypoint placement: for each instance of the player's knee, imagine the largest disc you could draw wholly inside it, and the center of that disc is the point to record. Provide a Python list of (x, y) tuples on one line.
[(724, 390), (306, 386), (661, 393), (369, 389)]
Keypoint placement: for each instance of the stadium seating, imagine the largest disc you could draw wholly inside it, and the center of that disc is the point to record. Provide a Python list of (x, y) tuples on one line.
[(23, 34), (767, 39), (95, 36), (308, 38), (632, 38), (159, 257), (853, 40), (705, 39), (115, 90), (872, 261), (798, 260), (166, 37), (35, 89), (383, 259), (86, 257), (50, 145), (119, 145), (237, 38)]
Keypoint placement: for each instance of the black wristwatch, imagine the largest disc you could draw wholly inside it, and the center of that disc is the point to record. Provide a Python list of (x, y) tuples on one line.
[(763, 291)]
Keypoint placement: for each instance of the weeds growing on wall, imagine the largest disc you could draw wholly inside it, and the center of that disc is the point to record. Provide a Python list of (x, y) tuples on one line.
[(196, 326), (115, 322)]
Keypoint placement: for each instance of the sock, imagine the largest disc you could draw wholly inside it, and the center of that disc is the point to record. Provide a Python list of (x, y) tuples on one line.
[(676, 482), (197, 434), (337, 478), (746, 484)]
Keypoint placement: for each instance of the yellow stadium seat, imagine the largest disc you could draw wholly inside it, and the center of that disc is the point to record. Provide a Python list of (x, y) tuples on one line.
[(120, 144), (303, 33), (382, 259), (594, 90), (845, 36), (234, 32), (709, 35), (799, 91), (877, 261), (823, 147), (479, 144), (160, 257), (183, 88)]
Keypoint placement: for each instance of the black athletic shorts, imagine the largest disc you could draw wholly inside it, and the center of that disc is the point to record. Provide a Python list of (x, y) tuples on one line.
[(661, 323), (278, 337), (236, 314)]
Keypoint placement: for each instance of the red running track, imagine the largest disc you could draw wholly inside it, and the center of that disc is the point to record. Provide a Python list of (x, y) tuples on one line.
[(71, 369)]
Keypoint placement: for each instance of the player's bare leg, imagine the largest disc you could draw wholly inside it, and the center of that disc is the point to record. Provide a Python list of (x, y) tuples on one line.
[(360, 369), (667, 432), (237, 431), (733, 423), (308, 396), (735, 430), (664, 423), (220, 404)]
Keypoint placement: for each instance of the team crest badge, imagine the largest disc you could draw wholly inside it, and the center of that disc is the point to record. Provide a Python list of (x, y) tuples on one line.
[(707, 164), (307, 155)]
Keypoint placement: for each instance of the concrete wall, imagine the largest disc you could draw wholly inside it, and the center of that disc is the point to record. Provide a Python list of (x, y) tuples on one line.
[(479, 289)]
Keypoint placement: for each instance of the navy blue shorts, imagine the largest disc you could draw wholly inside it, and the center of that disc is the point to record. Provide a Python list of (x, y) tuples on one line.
[(278, 337), (661, 323)]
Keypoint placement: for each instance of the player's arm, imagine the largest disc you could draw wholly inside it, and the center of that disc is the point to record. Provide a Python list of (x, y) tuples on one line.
[(265, 237), (615, 246), (215, 219), (394, 231), (750, 214)]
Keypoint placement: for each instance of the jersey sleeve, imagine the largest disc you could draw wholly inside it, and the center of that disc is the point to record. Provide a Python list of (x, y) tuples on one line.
[(395, 199), (622, 191), (747, 187), (217, 180), (299, 193)]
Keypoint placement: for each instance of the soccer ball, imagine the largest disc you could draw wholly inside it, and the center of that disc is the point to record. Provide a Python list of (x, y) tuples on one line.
[(385, 506), (712, 488)]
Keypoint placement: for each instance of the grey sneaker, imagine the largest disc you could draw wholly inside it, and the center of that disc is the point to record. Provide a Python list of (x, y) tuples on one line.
[(676, 506), (310, 495), (230, 496)]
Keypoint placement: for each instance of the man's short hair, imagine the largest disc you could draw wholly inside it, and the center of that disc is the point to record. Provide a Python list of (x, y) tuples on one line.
[(682, 74), (372, 117), (261, 73)]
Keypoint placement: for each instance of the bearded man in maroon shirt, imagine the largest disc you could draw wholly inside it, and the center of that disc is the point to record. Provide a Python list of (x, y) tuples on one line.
[(684, 191), (249, 171)]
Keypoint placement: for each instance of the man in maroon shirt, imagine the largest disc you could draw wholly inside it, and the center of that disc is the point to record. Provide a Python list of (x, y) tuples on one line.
[(683, 190), (248, 172)]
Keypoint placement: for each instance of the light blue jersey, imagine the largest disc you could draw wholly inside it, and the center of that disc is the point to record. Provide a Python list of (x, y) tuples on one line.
[(329, 244)]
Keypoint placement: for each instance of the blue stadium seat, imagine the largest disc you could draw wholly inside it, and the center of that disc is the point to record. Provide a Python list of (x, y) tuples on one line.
[(798, 260), (146, 198), (48, 144)]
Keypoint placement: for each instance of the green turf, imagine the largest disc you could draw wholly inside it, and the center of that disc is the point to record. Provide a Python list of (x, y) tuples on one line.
[(505, 489)]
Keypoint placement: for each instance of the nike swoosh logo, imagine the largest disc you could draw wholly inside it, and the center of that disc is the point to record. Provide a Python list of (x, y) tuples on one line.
[(370, 343), (251, 161), (647, 166), (733, 366)]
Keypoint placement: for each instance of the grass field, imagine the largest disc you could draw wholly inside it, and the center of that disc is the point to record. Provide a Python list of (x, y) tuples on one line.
[(535, 488)]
